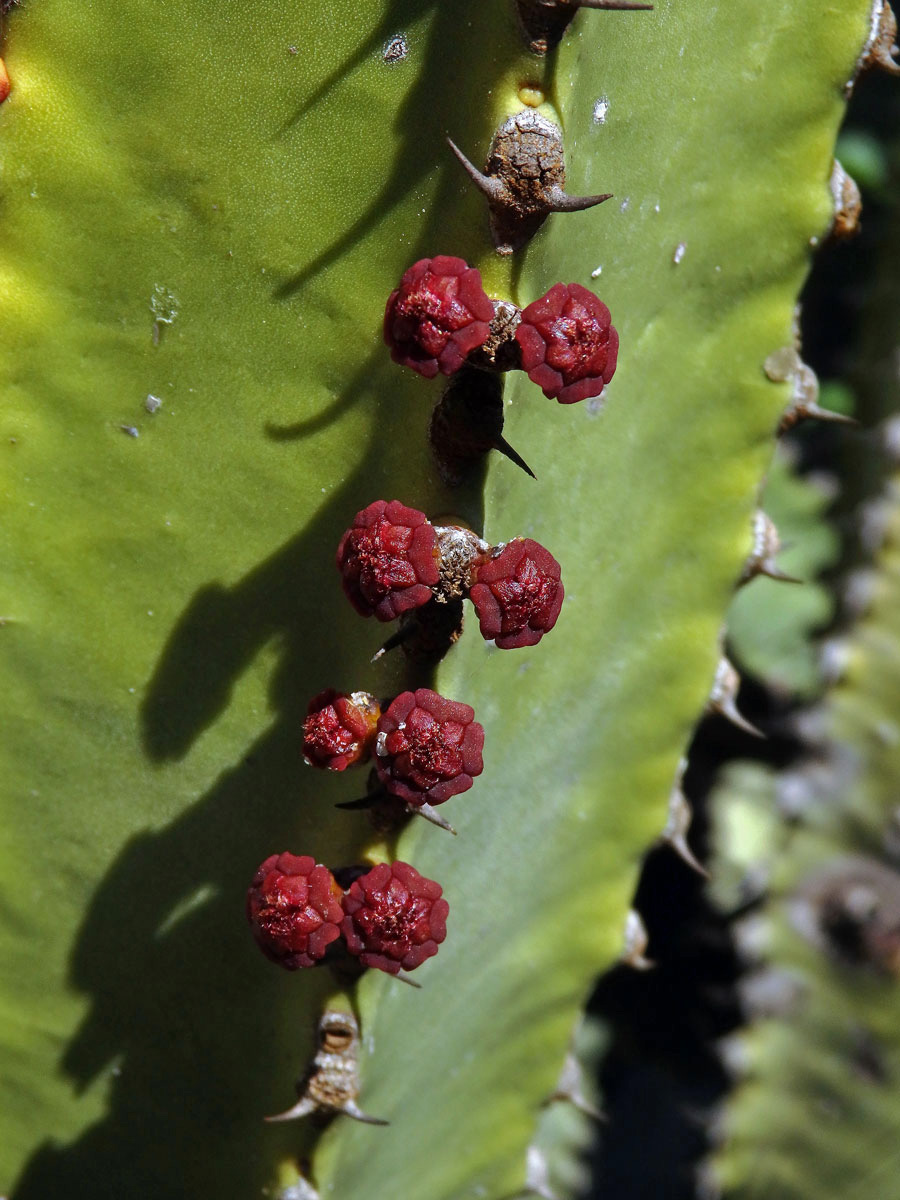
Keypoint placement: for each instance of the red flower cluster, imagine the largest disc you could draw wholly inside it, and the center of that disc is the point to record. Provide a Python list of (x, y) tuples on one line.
[(294, 910), (339, 729), (516, 588), (438, 315), (391, 917), (427, 748), (518, 594), (569, 346), (394, 918), (387, 560)]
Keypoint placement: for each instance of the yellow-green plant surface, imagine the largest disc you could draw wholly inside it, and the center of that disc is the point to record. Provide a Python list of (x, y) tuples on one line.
[(208, 203)]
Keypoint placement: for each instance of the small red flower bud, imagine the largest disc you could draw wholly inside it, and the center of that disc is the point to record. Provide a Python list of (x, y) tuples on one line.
[(569, 347), (518, 594), (4, 82), (428, 748), (294, 910), (340, 729), (388, 560), (394, 918), (438, 315)]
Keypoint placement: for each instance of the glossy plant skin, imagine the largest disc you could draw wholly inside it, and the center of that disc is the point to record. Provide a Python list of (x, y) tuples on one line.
[(172, 601)]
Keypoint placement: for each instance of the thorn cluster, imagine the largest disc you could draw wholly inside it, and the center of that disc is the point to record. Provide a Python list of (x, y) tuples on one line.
[(786, 366), (847, 204), (636, 940), (545, 21), (524, 179), (678, 826), (331, 1082), (880, 50), (723, 698), (762, 557), (467, 423)]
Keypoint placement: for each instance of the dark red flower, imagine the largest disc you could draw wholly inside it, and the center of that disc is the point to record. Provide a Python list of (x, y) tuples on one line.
[(395, 918), (569, 347), (388, 560), (438, 315), (294, 909), (518, 594), (339, 729), (428, 748)]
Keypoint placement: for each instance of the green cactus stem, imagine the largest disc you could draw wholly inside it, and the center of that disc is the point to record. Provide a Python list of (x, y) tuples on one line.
[(203, 209)]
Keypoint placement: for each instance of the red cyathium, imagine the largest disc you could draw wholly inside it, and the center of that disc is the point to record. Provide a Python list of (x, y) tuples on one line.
[(339, 729), (388, 560), (518, 594), (394, 918), (569, 348), (438, 315), (294, 910), (428, 748)]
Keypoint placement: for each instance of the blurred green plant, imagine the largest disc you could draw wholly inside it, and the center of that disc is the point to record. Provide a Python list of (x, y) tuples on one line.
[(817, 1111)]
